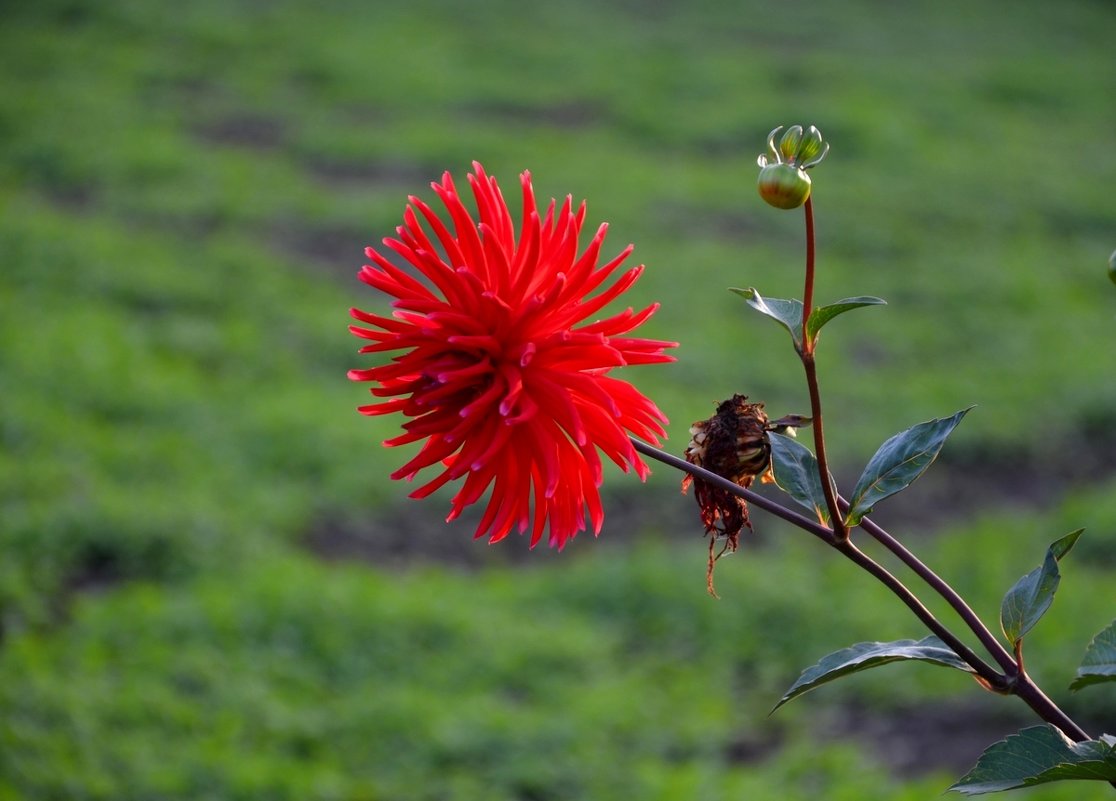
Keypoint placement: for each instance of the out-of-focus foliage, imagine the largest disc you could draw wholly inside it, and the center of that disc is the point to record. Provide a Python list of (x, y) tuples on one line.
[(185, 191), (614, 675)]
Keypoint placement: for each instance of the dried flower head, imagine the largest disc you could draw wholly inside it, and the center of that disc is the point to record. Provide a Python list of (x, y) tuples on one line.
[(733, 443), (504, 365)]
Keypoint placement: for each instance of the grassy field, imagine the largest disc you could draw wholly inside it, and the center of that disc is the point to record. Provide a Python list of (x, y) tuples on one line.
[(210, 589)]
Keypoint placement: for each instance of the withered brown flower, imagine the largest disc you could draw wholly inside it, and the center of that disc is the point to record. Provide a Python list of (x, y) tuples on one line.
[(733, 443)]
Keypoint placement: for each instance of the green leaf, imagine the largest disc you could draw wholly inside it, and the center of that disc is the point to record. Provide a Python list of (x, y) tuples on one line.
[(796, 473), (1099, 663), (898, 462), (1037, 755), (865, 655), (786, 312), (823, 314), (1032, 595)]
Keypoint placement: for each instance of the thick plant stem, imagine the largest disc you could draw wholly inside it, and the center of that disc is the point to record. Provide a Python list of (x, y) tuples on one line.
[(1015, 682), (1037, 700), (770, 506), (1018, 682), (987, 674), (840, 530), (806, 353), (1005, 660)]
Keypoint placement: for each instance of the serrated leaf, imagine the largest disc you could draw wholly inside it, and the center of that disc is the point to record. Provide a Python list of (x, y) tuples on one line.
[(1031, 596), (865, 655), (1037, 755), (796, 473), (1099, 663), (786, 312), (898, 462), (823, 314)]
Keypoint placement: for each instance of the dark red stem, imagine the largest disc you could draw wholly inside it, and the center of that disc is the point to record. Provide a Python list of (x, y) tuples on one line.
[(940, 586), (770, 506), (989, 676), (1016, 682), (806, 353), (808, 291)]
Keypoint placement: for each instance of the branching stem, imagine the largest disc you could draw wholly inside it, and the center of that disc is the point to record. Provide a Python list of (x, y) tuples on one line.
[(1033, 696), (768, 505), (988, 675), (1012, 682), (940, 586), (990, 678), (1014, 679)]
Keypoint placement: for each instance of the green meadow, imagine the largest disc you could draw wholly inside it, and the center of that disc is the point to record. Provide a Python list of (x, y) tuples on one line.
[(209, 587)]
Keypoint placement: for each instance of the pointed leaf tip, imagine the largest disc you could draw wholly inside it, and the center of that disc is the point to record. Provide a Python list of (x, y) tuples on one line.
[(898, 462), (1029, 598), (786, 312), (823, 314), (865, 655), (1064, 545)]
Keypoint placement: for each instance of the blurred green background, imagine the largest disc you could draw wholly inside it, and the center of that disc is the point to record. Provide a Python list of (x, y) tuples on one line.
[(209, 588)]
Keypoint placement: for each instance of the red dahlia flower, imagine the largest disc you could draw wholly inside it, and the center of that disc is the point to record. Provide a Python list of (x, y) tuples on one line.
[(506, 382)]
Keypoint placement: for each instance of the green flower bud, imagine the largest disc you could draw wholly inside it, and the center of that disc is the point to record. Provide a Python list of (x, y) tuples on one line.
[(789, 144), (783, 182), (1112, 267), (784, 186)]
